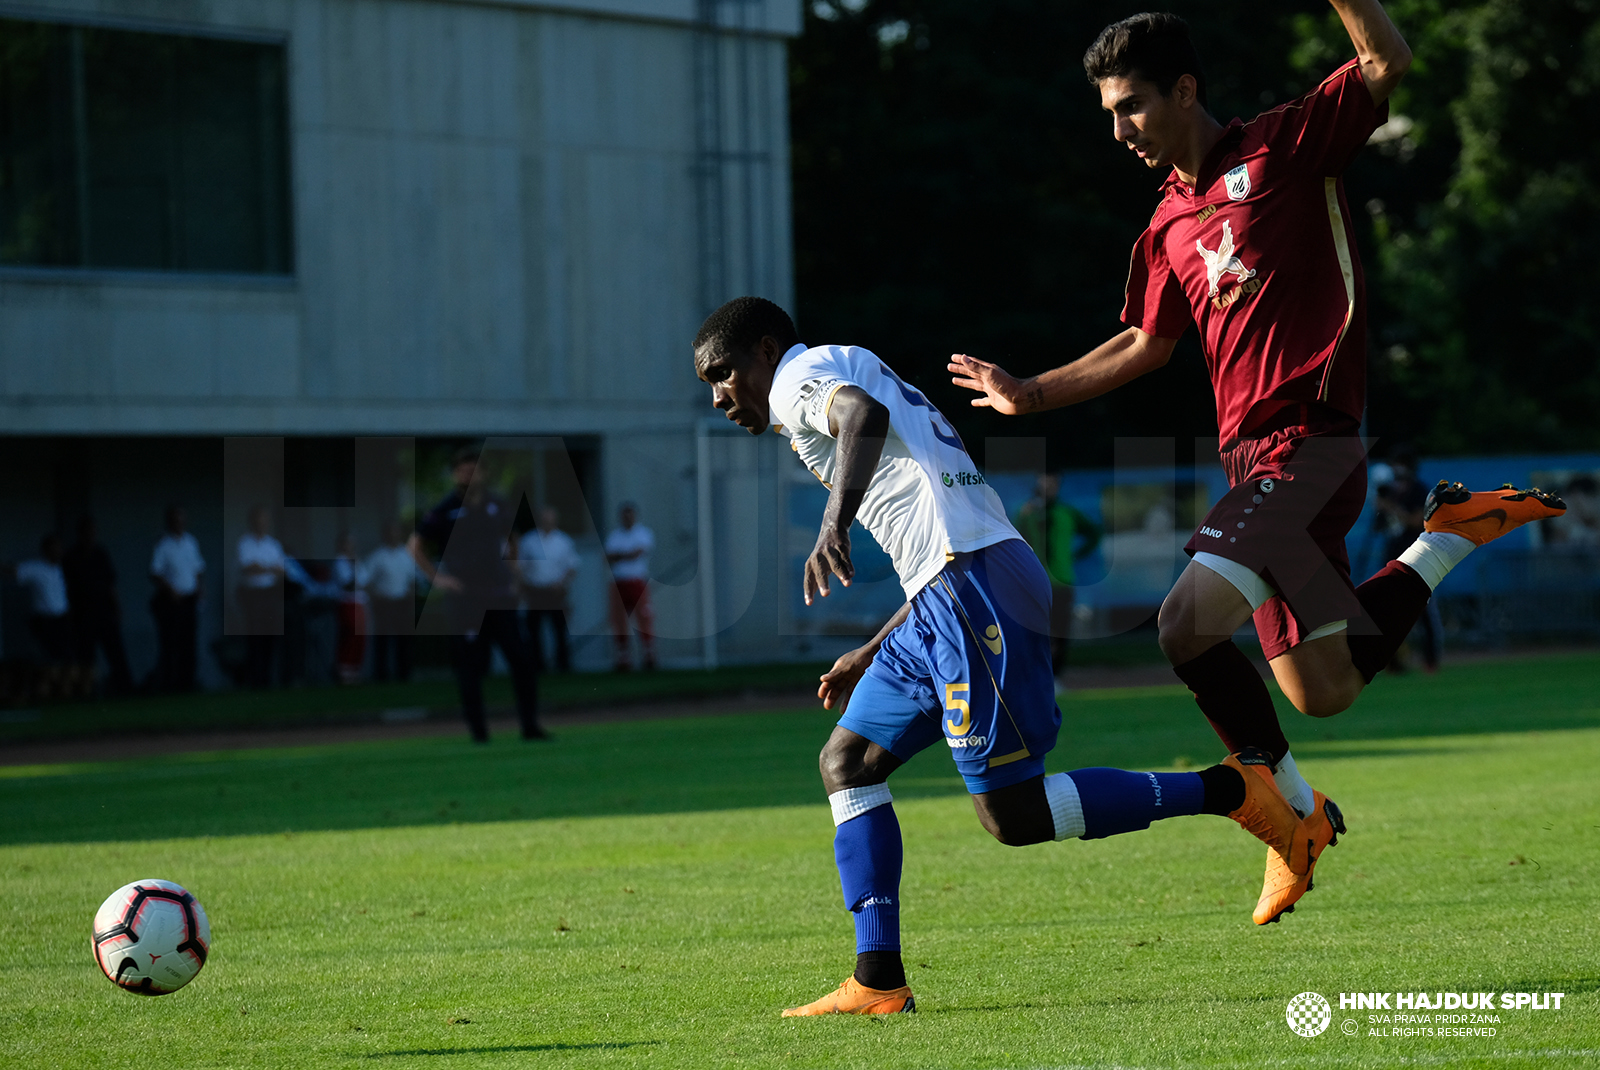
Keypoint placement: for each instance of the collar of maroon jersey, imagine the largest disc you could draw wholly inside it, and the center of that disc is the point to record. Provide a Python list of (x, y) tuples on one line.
[(1231, 134)]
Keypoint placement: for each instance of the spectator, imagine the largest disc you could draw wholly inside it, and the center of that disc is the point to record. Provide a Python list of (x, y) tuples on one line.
[(628, 550), (1401, 501), (391, 584), (1061, 536), (350, 577), (49, 617), (548, 561), (91, 581), (176, 568), (471, 531), (261, 571)]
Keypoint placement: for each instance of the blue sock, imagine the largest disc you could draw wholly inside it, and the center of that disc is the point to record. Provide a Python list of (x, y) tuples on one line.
[(1115, 800), (869, 854)]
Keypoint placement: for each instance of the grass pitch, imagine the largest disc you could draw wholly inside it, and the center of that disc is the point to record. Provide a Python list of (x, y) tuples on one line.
[(651, 894)]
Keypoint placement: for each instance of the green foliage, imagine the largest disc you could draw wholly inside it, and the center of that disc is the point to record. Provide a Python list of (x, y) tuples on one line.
[(1485, 215), (662, 889)]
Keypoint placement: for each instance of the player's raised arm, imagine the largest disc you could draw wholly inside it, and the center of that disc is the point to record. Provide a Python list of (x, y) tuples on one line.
[(859, 424), (1122, 359), (1385, 56)]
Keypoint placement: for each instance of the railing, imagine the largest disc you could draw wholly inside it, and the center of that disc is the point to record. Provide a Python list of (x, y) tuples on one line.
[(1529, 595)]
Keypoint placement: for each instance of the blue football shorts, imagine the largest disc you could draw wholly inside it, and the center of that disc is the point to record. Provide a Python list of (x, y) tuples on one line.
[(971, 666)]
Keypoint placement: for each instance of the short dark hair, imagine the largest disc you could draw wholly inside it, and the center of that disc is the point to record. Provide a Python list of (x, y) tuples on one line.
[(1154, 46), (739, 326)]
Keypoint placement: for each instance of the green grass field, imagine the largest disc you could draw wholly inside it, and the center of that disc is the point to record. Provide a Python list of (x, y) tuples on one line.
[(652, 893)]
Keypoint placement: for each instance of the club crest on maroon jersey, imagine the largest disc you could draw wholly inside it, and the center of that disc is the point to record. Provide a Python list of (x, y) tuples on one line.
[(1237, 182)]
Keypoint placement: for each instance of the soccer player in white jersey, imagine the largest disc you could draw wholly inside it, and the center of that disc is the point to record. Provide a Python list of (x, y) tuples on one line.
[(966, 660)]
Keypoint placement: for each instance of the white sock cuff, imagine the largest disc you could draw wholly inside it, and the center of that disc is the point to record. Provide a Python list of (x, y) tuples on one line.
[(1434, 554), (1294, 787), (853, 802), (1066, 809)]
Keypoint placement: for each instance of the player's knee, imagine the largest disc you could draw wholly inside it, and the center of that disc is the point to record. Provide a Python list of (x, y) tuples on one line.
[(842, 764), (1177, 642)]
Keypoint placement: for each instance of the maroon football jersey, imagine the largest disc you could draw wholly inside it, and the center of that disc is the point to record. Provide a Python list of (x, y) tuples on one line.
[(1261, 255)]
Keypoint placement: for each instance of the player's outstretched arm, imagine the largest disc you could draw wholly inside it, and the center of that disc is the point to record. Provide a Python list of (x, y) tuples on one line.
[(1104, 368), (859, 424), (1385, 56)]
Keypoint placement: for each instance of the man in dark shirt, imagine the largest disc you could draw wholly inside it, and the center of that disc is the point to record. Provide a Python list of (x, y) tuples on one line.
[(96, 614), (469, 530)]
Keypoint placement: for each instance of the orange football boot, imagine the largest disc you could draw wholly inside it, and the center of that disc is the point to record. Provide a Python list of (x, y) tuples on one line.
[(1488, 514), (1265, 813), (1282, 888), (853, 997)]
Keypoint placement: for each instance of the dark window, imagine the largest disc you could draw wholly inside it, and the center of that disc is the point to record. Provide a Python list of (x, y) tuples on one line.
[(122, 149)]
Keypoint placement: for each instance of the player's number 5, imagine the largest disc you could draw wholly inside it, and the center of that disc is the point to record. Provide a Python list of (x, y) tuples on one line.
[(961, 724)]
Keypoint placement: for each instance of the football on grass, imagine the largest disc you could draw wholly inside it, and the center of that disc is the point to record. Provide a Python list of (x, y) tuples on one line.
[(151, 937)]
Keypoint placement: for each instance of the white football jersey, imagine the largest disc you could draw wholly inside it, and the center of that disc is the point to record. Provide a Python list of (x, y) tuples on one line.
[(927, 499)]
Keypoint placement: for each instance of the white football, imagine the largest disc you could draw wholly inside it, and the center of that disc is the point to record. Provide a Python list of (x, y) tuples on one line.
[(151, 937)]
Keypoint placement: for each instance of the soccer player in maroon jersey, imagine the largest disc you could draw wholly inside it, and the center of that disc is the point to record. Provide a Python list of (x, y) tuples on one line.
[(1252, 244)]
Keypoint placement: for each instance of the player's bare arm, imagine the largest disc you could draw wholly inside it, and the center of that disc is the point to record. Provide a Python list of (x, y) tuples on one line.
[(1385, 56), (839, 681), (859, 424), (1122, 359)]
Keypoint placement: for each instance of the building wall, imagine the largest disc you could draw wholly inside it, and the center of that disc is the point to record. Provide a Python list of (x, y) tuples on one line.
[(509, 218), (496, 230)]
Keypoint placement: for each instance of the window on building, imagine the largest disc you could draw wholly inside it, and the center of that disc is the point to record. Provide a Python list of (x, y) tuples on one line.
[(124, 149)]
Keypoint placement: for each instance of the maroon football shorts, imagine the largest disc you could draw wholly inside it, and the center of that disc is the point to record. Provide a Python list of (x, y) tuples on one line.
[(1295, 494)]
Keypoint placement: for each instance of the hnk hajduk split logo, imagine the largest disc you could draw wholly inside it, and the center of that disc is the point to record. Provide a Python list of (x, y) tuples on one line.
[(1309, 1014)]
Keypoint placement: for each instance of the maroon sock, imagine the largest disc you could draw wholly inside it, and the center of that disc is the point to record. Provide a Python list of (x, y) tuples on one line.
[(1234, 699), (1394, 598)]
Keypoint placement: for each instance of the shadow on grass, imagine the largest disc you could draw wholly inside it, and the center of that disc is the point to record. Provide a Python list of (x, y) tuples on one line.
[(684, 765), (506, 1049)]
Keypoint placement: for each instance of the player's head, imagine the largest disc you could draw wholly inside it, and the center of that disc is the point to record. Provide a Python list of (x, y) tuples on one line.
[(1151, 81), (737, 351)]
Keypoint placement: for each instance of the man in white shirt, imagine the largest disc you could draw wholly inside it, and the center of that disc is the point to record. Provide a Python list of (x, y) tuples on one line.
[(176, 567), (49, 617), (547, 561), (261, 569), (628, 550), (966, 661), (391, 583)]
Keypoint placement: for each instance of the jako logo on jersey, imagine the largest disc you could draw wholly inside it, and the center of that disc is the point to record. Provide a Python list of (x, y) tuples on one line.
[(965, 479), (1213, 532), (992, 638), (1224, 262), (1238, 183)]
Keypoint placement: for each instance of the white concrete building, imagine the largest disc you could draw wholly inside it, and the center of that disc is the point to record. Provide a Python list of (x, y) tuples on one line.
[(429, 219)]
